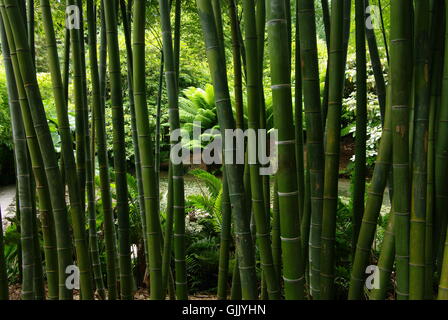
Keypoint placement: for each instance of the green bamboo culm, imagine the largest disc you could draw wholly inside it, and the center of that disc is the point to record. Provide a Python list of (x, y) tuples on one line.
[(359, 178), (385, 262), (4, 289), (77, 210), (253, 106), (372, 208), (376, 63), (23, 67), (313, 118), (276, 243), (103, 160), (178, 180), (441, 167), (333, 129), (25, 201), (225, 240), (243, 238), (168, 237), (146, 153), (45, 210), (80, 121), (298, 124), (399, 73), (420, 153), (39, 287), (138, 169), (110, 12), (441, 170), (437, 43), (293, 267), (237, 73), (99, 141)]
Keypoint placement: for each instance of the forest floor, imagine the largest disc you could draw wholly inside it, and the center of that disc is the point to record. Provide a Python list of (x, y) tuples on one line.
[(140, 294)]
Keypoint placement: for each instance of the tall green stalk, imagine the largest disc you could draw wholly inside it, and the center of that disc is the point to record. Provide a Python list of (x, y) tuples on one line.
[(333, 129), (237, 75), (225, 240), (420, 153), (372, 208), (437, 44), (101, 151), (217, 66), (253, 106), (25, 201), (441, 171), (45, 210), (359, 185), (298, 123), (76, 200), (293, 267), (315, 154), (399, 70), (276, 242), (110, 11), (99, 141), (137, 162), (146, 153), (80, 121), (376, 65), (24, 68), (385, 262), (168, 239), (178, 180)]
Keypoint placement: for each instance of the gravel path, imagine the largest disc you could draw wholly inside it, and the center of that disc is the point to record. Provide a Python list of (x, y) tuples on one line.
[(7, 195)]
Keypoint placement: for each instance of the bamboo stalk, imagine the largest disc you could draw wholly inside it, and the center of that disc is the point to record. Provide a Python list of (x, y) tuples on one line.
[(168, 239), (237, 76), (315, 155), (76, 198), (333, 129), (146, 154), (293, 266), (372, 208), (98, 139), (376, 65), (36, 118), (298, 123), (441, 170), (385, 262), (359, 185), (178, 182), (253, 105), (400, 45), (224, 240), (420, 154), (25, 203), (233, 171), (119, 151)]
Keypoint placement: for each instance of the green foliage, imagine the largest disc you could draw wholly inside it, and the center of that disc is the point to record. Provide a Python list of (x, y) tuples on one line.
[(5, 122)]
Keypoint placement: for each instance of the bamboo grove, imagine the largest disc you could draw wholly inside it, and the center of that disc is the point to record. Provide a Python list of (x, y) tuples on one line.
[(284, 243)]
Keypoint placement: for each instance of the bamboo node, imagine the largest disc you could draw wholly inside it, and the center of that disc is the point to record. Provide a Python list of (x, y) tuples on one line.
[(290, 239), (287, 194), (293, 280)]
